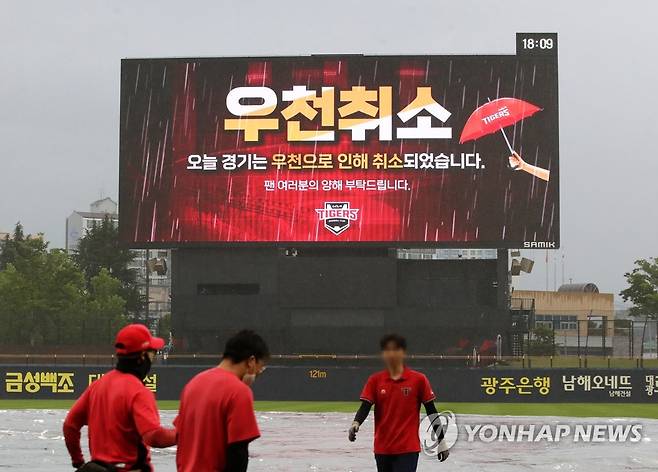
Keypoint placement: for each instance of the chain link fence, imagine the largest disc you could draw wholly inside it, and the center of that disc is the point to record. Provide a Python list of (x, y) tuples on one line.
[(564, 336)]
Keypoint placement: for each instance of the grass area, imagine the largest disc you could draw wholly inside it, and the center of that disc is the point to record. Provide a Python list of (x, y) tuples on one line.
[(616, 410)]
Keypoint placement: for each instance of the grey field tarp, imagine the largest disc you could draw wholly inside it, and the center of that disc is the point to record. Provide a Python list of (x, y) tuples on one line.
[(31, 440)]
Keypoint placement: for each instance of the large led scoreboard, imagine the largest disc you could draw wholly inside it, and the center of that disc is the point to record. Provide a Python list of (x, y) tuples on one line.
[(414, 150)]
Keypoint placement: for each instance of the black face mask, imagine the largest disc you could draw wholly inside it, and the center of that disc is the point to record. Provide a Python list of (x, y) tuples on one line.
[(138, 366)]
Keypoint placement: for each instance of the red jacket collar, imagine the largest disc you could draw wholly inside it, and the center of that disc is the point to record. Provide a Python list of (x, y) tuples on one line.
[(404, 376)]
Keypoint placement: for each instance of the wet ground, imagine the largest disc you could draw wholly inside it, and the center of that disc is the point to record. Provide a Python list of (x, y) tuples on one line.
[(30, 440)]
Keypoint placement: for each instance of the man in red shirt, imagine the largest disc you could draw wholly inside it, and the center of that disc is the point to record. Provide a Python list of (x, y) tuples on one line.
[(216, 421), (120, 412), (397, 393)]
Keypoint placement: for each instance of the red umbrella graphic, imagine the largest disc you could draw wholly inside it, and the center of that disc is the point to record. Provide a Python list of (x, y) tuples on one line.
[(494, 116)]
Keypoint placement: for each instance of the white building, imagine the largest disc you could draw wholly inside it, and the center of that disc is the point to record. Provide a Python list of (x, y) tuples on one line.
[(80, 222)]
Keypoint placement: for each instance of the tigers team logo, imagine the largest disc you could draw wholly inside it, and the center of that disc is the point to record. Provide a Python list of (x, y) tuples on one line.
[(337, 216)]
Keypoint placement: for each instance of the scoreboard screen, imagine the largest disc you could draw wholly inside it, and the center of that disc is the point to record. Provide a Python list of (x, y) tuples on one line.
[(442, 151)]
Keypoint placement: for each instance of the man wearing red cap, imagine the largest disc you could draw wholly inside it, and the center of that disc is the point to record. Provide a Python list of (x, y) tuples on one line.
[(120, 412)]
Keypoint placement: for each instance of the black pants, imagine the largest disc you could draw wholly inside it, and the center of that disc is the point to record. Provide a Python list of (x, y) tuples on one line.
[(397, 462)]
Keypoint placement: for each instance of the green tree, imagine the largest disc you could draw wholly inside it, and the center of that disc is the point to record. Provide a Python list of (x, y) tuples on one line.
[(19, 247), (105, 307), (542, 342), (42, 296), (642, 288), (164, 326), (99, 249), (45, 299)]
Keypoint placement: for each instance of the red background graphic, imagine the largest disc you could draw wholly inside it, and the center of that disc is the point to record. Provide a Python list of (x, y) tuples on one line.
[(171, 108)]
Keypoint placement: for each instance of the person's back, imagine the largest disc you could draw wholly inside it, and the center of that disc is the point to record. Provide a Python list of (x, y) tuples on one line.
[(216, 421), (216, 410), (122, 411)]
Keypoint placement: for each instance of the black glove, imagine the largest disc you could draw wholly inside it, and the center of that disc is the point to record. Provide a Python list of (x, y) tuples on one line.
[(443, 455), (353, 430)]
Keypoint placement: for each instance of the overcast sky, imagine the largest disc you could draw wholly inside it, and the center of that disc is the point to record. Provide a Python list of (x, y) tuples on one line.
[(59, 97)]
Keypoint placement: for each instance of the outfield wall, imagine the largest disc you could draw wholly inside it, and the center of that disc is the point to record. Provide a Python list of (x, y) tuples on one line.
[(332, 383), (337, 301)]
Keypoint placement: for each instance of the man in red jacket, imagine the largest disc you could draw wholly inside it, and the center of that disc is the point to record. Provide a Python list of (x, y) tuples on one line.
[(216, 421), (397, 392), (120, 412)]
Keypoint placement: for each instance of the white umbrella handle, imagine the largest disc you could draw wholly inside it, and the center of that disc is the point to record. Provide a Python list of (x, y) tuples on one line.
[(507, 141)]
